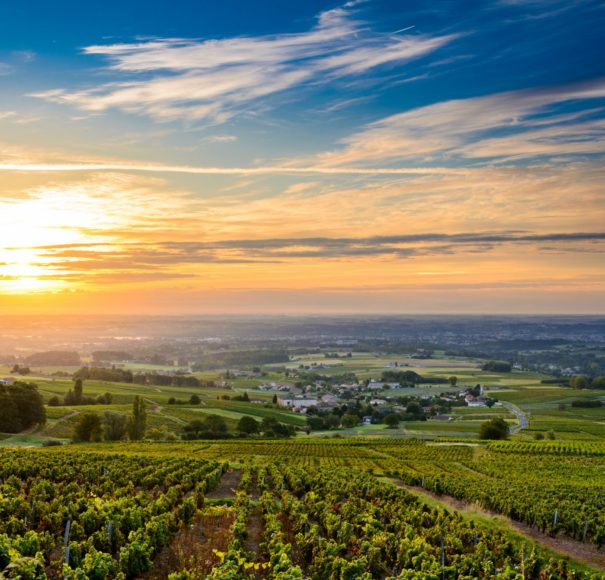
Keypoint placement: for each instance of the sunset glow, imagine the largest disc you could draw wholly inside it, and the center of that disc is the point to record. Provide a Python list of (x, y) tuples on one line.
[(345, 158)]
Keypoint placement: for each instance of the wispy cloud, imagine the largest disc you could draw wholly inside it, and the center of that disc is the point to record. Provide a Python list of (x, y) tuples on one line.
[(213, 80), (201, 170), (524, 123), (163, 260), (220, 138)]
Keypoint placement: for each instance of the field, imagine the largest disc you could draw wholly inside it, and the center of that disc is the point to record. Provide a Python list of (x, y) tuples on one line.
[(349, 508), (547, 408), (425, 500)]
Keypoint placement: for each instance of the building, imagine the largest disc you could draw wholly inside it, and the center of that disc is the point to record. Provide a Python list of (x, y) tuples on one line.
[(472, 401), (274, 387), (298, 404), (376, 402), (328, 399), (379, 385)]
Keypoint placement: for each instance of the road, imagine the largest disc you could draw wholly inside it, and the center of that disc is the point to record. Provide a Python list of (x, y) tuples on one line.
[(523, 419)]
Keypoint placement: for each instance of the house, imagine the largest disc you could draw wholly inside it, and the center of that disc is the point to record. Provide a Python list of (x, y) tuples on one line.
[(329, 399), (472, 401), (442, 418), (375, 402), (298, 404), (7, 381), (348, 387), (367, 420), (274, 387)]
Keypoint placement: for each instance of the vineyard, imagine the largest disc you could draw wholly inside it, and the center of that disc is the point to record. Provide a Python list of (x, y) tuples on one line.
[(299, 509)]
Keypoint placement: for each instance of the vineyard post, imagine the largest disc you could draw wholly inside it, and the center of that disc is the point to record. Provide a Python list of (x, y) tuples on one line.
[(585, 531), (442, 558), (555, 519), (66, 541)]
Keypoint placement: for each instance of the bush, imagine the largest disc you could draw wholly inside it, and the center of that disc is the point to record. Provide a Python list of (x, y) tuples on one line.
[(494, 429), (88, 428)]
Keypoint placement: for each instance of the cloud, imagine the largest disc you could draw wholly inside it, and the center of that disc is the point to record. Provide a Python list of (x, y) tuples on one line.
[(164, 254), (201, 170), (525, 123), (213, 80), (220, 138)]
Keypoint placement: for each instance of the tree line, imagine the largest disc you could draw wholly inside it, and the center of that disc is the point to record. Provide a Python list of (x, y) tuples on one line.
[(117, 375), (113, 426)]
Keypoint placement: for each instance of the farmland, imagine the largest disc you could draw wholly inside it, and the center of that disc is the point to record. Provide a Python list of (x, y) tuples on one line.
[(422, 498), (348, 508)]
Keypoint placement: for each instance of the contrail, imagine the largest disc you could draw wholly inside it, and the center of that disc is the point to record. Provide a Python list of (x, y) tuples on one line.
[(197, 170), (404, 29)]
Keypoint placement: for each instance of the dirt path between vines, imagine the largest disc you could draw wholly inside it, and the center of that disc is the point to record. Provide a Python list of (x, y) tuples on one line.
[(584, 553), (227, 485), (193, 546)]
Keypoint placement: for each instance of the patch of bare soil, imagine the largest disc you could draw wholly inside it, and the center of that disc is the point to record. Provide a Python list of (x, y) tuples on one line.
[(254, 534), (226, 487), (193, 546)]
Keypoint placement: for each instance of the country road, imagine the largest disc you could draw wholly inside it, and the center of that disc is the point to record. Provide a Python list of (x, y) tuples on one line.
[(523, 419)]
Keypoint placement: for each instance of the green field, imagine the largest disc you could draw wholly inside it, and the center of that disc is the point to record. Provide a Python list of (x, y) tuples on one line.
[(547, 407)]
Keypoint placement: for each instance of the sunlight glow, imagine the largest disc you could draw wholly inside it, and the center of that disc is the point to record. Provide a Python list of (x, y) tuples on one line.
[(50, 217)]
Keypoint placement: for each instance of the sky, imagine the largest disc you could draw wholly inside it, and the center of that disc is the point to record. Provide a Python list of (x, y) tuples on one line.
[(370, 156)]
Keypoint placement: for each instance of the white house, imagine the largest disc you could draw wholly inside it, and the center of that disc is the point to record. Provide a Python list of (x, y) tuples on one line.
[(375, 402), (297, 404)]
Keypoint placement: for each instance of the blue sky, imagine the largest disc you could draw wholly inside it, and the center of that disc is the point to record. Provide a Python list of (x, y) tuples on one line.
[(453, 118)]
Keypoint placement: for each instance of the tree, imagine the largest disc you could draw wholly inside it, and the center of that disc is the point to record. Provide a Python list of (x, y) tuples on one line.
[(494, 429), (497, 366), (69, 398), (392, 420), (453, 380), (245, 397), (578, 382), (275, 399), (216, 426), (10, 421), (248, 425), (212, 427), (331, 421), (88, 428), (29, 402), (195, 400), (349, 420), (78, 391), (104, 399), (138, 420), (598, 382), (271, 427), (193, 430), (114, 426), (54, 401)]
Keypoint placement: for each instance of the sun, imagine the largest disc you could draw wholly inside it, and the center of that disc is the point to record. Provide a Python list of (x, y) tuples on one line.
[(34, 228)]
